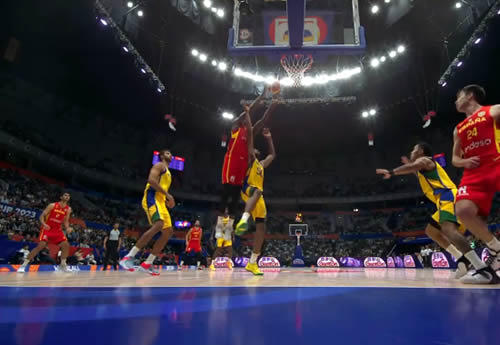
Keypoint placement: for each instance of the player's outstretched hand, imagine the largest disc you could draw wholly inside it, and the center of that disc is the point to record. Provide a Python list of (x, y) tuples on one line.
[(386, 173), (170, 201), (266, 133), (472, 162), (405, 160), (69, 230)]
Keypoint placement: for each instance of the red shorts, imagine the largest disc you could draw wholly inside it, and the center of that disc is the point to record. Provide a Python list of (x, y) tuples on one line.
[(479, 186), (235, 168), (193, 247), (52, 236)]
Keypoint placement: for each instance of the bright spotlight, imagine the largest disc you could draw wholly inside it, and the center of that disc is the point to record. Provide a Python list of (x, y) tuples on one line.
[(214, 63), (392, 54), (203, 57), (459, 64), (375, 9), (477, 41), (207, 3), (401, 49), (143, 71), (387, 1), (365, 114), (140, 13), (194, 52), (372, 112), (444, 84), (238, 71), (159, 90), (103, 22), (214, 10), (130, 4), (222, 66), (125, 49), (375, 62), (220, 13), (227, 116), (458, 4), (383, 58)]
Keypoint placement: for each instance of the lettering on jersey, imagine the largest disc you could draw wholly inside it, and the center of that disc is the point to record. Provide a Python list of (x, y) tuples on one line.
[(477, 144), (462, 191), (471, 122)]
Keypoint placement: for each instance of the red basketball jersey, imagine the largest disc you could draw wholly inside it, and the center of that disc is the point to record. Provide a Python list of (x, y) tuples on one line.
[(195, 235), (56, 216), (480, 136), (236, 158)]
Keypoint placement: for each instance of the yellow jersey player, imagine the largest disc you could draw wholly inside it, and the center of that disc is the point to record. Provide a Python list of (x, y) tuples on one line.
[(155, 202), (443, 227), (252, 193), (224, 237)]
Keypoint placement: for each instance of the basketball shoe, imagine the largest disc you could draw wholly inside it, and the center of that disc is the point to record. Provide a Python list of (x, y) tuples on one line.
[(230, 264), (128, 263), (462, 267), (148, 268), (211, 267), (241, 227), (254, 268), (482, 276)]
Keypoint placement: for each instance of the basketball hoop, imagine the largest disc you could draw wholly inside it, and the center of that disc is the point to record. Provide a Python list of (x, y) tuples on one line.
[(296, 65)]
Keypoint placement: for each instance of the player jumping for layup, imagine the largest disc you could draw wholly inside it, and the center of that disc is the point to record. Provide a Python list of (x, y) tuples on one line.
[(437, 186), (52, 219), (155, 201), (476, 148), (252, 194)]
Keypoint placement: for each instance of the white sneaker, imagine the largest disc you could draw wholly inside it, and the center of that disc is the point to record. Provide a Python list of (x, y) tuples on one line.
[(21, 269), (482, 276), (64, 268), (493, 260), (461, 270)]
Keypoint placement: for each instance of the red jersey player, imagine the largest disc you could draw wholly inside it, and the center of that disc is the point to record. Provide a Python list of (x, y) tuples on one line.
[(193, 243), (477, 149), (236, 159), (52, 219)]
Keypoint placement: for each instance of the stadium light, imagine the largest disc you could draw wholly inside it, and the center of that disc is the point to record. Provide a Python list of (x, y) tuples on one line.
[(207, 3), (159, 90), (203, 57), (375, 63), (130, 4), (387, 1), (477, 41), (222, 66), (459, 64), (103, 22), (392, 54), (375, 9), (214, 10), (383, 58), (227, 116), (214, 63), (458, 4), (365, 114), (194, 52), (444, 84), (140, 13), (220, 13), (401, 49), (372, 112), (143, 71), (125, 49)]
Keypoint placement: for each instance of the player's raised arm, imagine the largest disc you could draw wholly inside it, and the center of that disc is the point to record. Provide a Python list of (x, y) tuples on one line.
[(248, 124), (253, 106), (422, 163), (262, 122), (44, 215), (495, 113), (266, 133)]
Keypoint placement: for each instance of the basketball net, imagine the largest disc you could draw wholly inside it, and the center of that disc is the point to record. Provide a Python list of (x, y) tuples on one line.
[(296, 65)]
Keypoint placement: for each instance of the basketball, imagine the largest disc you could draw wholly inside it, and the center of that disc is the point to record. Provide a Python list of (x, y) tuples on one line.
[(275, 88)]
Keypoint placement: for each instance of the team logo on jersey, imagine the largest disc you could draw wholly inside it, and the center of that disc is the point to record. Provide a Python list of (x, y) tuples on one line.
[(481, 113), (477, 144), (463, 190)]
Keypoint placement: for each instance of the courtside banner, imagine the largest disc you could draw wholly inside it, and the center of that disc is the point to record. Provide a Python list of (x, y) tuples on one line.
[(439, 260), (390, 262), (269, 264), (22, 211), (221, 262), (327, 264), (55, 268), (374, 262)]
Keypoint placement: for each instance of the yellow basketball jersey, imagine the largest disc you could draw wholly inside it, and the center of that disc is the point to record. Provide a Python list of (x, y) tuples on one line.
[(435, 182), (255, 175), (165, 181)]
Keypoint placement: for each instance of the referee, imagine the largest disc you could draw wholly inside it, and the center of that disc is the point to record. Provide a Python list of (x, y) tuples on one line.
[(112, 244)]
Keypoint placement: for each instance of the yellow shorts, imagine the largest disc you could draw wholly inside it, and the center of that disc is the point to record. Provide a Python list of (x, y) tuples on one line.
[(156, 210), (260, 210), (223, 243), (446, 210)]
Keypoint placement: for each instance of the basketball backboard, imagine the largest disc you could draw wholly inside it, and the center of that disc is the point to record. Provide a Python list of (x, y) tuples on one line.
[(316, 27)]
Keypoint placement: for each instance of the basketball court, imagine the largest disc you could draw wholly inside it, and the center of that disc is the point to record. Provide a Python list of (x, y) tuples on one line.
[(294, 306)]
